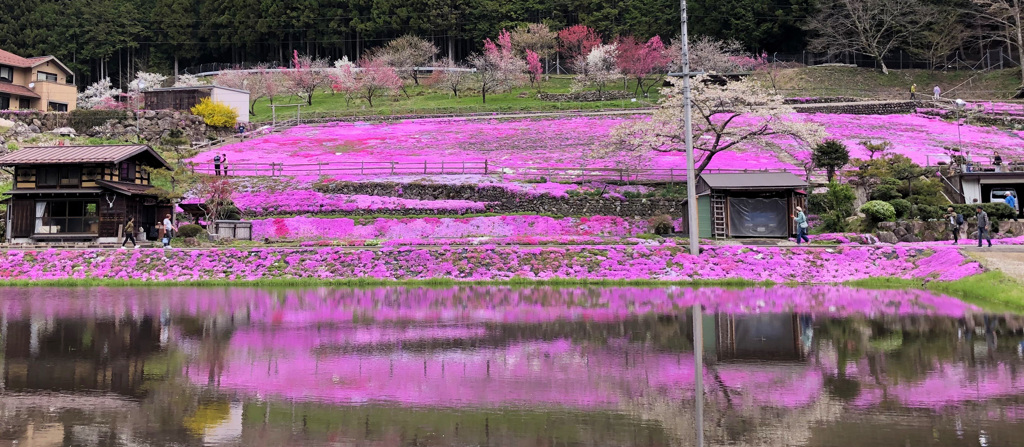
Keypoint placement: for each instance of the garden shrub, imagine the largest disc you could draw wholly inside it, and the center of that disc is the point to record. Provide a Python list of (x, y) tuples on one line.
[(661, 225), (927, 212), (229, 212), (996, 211), (216, 114), (878, 211), (816, 203), (190, 230), (837, 204), (886, 192), (902, 208)]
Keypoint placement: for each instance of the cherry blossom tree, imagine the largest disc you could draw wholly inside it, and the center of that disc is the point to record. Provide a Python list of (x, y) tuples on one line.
[(188, 80), (376, 78), (146, 81), (343, 80), (534, 67), (97, 93), (597, 69), (306, 76), (577, 40), (641, 60), (725, 117), (535, 37)]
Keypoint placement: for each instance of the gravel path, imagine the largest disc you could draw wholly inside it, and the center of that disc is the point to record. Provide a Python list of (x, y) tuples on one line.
[(1011, 263)]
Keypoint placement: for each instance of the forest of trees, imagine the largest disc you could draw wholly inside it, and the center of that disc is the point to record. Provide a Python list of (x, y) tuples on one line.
[(114, 38)]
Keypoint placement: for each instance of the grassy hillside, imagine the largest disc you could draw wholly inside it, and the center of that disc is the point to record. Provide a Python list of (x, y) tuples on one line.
[(424, 100), (869, 83)]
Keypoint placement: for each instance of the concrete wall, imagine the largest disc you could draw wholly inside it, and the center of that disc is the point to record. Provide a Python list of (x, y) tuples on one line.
[(238, 101)]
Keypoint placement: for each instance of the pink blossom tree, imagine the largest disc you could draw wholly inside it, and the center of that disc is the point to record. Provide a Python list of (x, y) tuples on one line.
[(577, 41), (451, 76), (641, 60), (377, 78), (307, 75), (534, 67), (343, 80), (498, 68)]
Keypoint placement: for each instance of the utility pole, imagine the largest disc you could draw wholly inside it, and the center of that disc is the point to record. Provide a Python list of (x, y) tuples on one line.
[(691, 212), (691, 176)]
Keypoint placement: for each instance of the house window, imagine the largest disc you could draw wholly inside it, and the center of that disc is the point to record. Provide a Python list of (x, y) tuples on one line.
[(5, 102), (70, 176), (25, 103), (6, 73), (25, 175), (66, 216), (127, 172), (56, 107), (91, 173), (47, 177), (44, 76)]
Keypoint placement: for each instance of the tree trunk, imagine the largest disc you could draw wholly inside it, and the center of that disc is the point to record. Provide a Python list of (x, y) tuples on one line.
[(483, 92), (885, 70), (1020, 49), (175, 68)]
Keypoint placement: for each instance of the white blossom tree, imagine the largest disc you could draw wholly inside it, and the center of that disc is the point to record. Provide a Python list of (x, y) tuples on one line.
[(189, 80), (597, 69), (146, 81), (724, 118), (96, 94)]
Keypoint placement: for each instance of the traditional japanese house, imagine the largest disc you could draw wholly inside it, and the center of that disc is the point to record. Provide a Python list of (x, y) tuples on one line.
[(81, 193)]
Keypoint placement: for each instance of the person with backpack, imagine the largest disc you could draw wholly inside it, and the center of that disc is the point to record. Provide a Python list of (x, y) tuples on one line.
[(983, 230), (801, 226), (216, 164), (954, 221)]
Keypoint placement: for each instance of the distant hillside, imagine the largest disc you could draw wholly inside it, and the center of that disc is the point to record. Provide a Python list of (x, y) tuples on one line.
[(869, 83)]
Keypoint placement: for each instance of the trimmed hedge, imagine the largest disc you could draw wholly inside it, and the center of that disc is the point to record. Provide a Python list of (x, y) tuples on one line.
[(996, 211)]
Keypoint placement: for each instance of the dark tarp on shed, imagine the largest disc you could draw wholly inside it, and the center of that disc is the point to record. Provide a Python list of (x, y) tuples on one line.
[(758, 217)]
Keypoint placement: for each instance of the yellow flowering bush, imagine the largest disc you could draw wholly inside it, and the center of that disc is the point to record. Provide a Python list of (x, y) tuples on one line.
[(216, 114)]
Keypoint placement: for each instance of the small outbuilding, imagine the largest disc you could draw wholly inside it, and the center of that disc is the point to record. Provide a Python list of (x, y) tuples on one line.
[(748, 204), (81, 193), (184, 98)]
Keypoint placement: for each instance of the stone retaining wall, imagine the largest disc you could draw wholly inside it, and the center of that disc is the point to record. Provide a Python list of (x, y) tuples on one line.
[(868, 108), (155, 124), (918, 231), (589, 96), (502, 200)]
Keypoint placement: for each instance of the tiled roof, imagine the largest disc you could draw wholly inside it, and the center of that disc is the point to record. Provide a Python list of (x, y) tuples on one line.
[(753, 180), (126, 188), (19, 90), (8, 58), (74, 154)]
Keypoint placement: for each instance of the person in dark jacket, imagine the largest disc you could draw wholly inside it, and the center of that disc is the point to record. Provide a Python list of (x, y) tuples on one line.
[(983, 230), (953, 222), (129, 233)]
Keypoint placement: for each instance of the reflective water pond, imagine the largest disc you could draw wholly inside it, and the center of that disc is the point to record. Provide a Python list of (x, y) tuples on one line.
[(505, 366)]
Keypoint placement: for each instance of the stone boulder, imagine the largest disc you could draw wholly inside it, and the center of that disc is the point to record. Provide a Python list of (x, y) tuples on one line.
[(900, 232), (887, 237)]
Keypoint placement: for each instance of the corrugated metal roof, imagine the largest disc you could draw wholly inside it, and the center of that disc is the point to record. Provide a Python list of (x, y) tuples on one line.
[(198, 87), (126, 188), (75, 154), (72, 154), (753, 180), (19, 90)]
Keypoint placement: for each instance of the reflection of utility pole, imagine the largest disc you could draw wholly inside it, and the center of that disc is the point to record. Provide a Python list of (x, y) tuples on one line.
[(698, 364)]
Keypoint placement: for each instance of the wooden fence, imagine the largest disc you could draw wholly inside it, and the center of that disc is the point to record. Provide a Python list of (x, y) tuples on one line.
[(443, 167)]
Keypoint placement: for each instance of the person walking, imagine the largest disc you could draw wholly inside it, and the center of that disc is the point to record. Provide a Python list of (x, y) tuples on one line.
[(1012, 201), (913, 92), (129, 233), (168, 231), (801, 226), (216, 164), (983, 230), (954, 221), (938, 93)]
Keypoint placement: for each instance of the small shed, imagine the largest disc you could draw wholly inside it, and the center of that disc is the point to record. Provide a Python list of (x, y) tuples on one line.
[(184, 98), (749, 204)]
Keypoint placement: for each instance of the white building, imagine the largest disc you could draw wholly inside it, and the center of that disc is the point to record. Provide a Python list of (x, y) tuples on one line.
[(184, 98)]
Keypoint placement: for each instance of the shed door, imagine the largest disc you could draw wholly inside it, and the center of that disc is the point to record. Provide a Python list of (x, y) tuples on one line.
[(757, 217), (23, 218)]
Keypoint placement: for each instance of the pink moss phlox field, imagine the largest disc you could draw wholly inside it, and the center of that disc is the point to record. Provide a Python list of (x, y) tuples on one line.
[(475, 304), (311, 228), (512, 146), (299, 201), (486, 262)]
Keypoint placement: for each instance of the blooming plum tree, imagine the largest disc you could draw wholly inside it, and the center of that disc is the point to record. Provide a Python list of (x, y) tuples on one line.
[(188, 80), (535, 37), (306, 76), (534, 67), (726, 116), (596, 69), (455, 76), (577, 40), (376, 78), (343, 80), (640, 60), (405, 54), (497, 67), (97, 93)]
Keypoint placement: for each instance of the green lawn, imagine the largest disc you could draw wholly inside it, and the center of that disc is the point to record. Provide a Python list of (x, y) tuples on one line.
[(870, 83), (424, 100)]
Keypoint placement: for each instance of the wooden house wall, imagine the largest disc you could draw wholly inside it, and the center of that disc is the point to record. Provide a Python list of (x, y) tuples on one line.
[(174, 99)]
